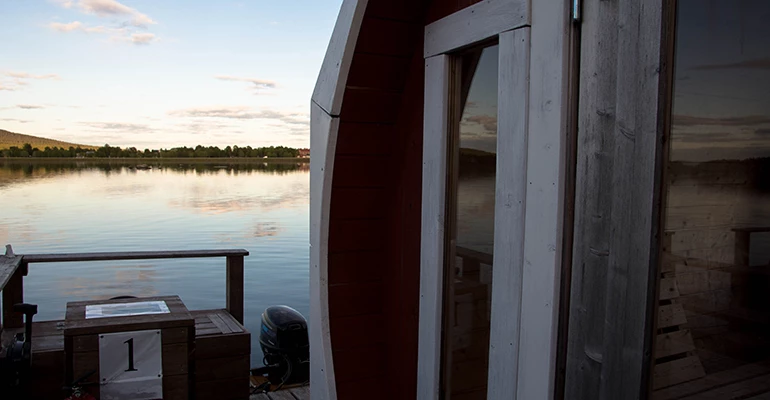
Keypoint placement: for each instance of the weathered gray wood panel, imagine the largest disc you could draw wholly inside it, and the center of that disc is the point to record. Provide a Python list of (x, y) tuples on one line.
[(621, 123), (593, 198)]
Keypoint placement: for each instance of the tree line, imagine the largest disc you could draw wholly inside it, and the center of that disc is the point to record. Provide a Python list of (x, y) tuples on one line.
[(108, 151)]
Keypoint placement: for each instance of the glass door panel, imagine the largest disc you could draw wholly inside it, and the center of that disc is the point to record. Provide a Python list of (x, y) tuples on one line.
[(470, 233)]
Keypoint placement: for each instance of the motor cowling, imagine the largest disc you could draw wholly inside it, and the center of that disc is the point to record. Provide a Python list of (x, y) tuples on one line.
[(283, 338)]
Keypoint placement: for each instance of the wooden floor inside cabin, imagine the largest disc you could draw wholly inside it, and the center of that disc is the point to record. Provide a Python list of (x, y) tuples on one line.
[(296, 393)]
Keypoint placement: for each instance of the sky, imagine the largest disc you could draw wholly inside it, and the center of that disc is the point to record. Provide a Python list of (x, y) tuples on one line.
[(478, 125), (162, 73), (722, 80)]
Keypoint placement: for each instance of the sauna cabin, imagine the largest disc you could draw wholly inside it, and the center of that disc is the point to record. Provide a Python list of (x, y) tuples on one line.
[(531, 199)]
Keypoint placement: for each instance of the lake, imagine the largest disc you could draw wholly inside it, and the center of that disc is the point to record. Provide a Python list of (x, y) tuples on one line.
[(87, 206)]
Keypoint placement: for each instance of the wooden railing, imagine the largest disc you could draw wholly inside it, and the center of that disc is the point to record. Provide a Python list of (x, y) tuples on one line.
[(13, 268), (472, 260)]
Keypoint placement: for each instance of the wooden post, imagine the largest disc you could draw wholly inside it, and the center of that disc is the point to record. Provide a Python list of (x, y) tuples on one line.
[(235, 287), (13, 293)]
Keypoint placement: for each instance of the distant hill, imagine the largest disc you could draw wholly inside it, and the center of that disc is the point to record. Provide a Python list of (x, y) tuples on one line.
[(10, 139)]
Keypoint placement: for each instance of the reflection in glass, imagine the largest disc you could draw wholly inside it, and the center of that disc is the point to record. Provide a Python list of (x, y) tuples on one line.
[(471, 201), (713, 338)]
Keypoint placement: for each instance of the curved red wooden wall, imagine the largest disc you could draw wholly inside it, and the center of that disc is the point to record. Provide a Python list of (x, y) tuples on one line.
[(374, 232)]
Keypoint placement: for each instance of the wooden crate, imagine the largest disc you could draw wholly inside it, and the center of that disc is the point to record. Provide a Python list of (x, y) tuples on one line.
[(222, 356), (81, 342)]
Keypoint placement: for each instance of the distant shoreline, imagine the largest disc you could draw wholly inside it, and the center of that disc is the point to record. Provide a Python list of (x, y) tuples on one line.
[(200, 160)]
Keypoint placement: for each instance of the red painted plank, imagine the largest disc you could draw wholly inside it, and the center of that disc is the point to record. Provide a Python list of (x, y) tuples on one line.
[(355, 299), (376, 388), (387, 37), (362, 139), (370, 106), (400, 10), (375, 71), (358, 364), (354, 203), (361, 172), (357, 235), (361, 267), (358, 331)]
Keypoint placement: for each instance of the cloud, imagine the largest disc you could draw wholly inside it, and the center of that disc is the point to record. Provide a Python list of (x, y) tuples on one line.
[(240, 112), (762, 131), (116, 34), (64, 3), (29, 106), (129, 20), (259, 84), (751, 120), (142, 38), (15, 80), (118, 126), (110, 8), (21, 121), (72, 26), (489, 122), (761, 63), (25, 75)]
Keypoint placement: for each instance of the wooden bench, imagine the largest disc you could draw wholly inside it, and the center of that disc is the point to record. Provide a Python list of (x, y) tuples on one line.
[(222, 356)]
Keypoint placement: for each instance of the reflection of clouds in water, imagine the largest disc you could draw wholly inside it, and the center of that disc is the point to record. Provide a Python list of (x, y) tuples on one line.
[(134, 280), (205, 201), (24, 232), (260, 230), (123, 190), (265, 229)]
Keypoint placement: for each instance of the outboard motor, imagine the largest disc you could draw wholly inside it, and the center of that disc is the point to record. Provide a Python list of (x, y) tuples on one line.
[(284, 341)]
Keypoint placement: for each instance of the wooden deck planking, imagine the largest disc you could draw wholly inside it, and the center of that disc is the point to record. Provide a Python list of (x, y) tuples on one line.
[(8, 266), (300, 393), (739, 390), (711, 381)]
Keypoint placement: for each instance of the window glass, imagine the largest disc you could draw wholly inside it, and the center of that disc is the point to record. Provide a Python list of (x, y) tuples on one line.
[(713, 326), (471, 205)]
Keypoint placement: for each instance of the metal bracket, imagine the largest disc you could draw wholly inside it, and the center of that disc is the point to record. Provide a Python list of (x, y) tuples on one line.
[(576, 15)]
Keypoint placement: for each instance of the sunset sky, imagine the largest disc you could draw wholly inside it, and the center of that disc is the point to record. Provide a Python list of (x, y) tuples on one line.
[(151, 73)]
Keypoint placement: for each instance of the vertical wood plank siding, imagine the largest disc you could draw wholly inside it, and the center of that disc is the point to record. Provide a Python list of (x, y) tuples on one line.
[(617, 204)]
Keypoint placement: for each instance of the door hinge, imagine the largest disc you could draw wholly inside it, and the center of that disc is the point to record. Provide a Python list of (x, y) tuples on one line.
[(576, 5)]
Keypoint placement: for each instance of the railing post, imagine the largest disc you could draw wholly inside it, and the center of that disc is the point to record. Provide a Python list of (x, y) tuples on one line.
[(13, 293), (235, 287)]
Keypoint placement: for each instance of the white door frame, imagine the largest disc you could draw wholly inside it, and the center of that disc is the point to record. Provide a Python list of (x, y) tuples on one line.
[(529, 191)]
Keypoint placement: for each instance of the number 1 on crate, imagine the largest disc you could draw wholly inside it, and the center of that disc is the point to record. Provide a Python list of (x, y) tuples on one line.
[(130, 343), (130, 364)]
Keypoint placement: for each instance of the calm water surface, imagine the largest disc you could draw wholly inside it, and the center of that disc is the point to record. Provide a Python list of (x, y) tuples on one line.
[(85, 207)]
